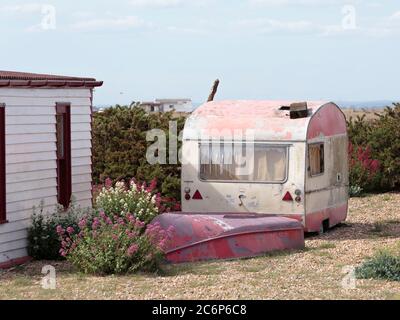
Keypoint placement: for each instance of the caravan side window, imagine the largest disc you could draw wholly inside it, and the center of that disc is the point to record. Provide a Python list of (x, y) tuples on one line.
[(316, 159)]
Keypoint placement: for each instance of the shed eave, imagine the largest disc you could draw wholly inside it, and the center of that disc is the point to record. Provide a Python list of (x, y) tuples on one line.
[(48, 84), (13, 79)]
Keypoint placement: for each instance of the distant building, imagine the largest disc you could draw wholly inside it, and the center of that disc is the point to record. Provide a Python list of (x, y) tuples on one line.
[(151, 107), (166, 105), (98, 109), (179, 105)]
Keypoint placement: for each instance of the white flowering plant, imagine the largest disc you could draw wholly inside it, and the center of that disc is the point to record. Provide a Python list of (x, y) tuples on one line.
[(132, 198)]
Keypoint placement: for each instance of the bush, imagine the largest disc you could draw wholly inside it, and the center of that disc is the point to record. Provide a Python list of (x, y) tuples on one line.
[(114, 246), (364, 171), (119, 147), (120, 238), (43, 240), (381, 137), (121, 200), (384, 265)]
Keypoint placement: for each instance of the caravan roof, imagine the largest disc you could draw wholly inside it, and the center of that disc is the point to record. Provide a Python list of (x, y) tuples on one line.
[(270, 120)]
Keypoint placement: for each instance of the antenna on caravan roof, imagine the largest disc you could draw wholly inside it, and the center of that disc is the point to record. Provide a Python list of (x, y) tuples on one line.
[(213, 91)]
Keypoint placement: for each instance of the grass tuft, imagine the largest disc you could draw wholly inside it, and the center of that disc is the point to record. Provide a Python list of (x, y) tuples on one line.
[(384, 265)]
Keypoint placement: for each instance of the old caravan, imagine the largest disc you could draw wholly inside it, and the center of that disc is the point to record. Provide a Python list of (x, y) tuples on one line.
[(300, 161), (298, 172)]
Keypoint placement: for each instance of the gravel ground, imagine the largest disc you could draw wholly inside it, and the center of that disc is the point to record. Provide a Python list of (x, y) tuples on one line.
[(315, 273)]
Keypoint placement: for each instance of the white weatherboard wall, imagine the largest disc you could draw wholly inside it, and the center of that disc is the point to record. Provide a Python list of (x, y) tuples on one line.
[(31, 157)]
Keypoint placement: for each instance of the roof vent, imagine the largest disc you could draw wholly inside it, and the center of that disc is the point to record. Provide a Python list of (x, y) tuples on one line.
[(297, 110)]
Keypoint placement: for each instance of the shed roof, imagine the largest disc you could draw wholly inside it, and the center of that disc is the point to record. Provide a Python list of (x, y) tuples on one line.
[(269, 122), (24, 79)]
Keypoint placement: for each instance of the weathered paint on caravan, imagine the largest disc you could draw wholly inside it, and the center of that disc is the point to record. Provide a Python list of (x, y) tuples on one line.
[(312, 184), (322, 196), (31, 158), (327, 194)]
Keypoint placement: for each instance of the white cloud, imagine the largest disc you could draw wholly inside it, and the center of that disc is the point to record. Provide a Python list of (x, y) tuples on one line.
[(44, 13), (265, 26), (395, 16), (338, 30), (34, 28), (385, 27), (121, 23), (23, 8), (377, 27), (83, 14), (166, 3), (156, 3), (184, 30), (302, 2), (374, 5), (268, 26)]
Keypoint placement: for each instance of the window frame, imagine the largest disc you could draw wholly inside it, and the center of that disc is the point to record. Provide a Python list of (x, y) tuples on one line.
[(3, 182), (309, 162), (258, 143), (64, 164)]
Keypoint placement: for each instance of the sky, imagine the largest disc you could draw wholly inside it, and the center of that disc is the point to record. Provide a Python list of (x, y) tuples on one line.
[(259, 49)]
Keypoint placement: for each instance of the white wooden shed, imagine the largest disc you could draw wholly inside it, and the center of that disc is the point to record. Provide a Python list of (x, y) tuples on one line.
[(45, 150)]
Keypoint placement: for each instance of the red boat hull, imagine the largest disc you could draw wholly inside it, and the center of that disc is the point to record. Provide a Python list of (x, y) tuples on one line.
[(228, 236)]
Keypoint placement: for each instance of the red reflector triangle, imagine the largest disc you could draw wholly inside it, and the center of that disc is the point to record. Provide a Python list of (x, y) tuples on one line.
[(287, 197), (197, 196)]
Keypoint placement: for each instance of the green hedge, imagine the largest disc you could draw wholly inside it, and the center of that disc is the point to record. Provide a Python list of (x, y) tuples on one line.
[(378, 139), (119, 147)]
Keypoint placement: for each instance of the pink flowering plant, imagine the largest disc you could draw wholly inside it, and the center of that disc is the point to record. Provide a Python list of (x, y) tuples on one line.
[(114, 245), (120, 236), (364, 170), (123, 199)]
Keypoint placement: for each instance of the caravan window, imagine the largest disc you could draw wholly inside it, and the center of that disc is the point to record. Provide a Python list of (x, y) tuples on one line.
[(316, 159), (243, 162)]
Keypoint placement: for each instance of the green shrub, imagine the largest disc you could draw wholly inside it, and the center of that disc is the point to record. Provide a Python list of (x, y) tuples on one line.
[(119, 147), (381, 137), (384, 265), (43, 240)]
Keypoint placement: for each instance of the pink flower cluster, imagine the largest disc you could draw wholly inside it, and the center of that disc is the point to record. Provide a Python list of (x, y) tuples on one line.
[(65, 236), (119, 228), (158, 236), (108, 183), (96, 223), (132, 249), (169, 205), (143, 186), (362, 157)]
